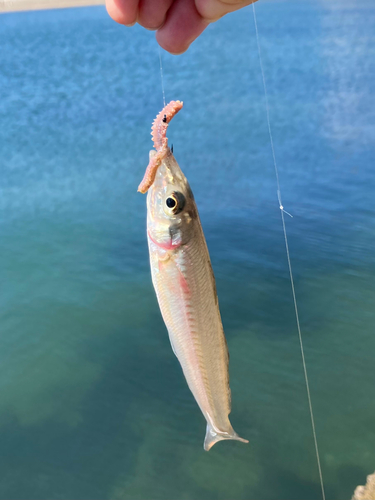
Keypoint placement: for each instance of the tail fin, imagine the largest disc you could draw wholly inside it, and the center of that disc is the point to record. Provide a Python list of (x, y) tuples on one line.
[(213, 437)]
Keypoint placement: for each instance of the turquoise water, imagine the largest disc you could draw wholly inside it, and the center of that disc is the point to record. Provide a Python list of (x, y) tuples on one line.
[(93, 403)]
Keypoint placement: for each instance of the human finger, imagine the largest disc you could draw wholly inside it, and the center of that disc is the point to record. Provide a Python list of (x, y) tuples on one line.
[(123, 11), (212, 10), (152, 13), (182, 26)]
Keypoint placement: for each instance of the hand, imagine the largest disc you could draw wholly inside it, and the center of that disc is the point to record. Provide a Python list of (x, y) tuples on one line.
[(177, 22)]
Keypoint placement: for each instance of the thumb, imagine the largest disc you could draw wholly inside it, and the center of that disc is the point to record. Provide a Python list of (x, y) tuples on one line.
[(212, 10)]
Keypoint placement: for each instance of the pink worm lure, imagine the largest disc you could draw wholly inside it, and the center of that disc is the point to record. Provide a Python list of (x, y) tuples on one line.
[(184, 283), (159, 138)]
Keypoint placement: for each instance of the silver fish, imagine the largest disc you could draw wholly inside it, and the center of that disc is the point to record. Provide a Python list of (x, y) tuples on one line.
[(185, 285)]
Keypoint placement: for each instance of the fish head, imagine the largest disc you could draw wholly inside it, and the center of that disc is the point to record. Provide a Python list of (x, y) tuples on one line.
[(171, 209)]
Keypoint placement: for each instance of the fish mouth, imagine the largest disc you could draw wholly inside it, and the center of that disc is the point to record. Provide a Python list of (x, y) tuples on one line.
[(159, 138)]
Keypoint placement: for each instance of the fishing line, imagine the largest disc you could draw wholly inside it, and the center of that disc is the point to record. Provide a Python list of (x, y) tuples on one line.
[(161, 75), (282, 211)]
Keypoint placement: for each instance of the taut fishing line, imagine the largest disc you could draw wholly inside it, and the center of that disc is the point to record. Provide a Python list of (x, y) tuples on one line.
[(282, 211), (161, 75)]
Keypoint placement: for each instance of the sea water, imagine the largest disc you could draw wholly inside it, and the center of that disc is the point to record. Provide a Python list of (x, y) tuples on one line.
[(93, 403)]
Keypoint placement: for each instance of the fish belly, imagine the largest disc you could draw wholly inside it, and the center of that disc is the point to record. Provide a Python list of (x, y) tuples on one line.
[(186, 293)]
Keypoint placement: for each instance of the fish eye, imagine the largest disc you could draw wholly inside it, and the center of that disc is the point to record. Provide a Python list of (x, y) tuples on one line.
[(175, 203), (171, 202)]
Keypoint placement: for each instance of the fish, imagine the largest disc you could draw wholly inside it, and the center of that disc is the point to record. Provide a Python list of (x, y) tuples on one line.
[(184, 283)]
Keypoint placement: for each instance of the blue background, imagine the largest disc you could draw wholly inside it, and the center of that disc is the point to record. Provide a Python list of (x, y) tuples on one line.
[(93, 402)]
